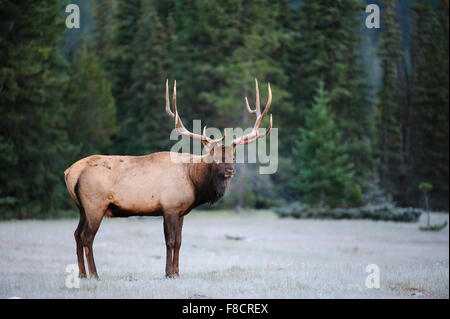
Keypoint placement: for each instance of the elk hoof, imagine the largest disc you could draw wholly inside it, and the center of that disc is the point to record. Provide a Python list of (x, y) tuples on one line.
[(82, 276)]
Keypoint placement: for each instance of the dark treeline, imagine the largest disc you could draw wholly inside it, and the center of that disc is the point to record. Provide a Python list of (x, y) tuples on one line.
[(343, 141)]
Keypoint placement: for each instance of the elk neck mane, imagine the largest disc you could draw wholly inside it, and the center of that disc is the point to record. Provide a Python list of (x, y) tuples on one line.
[(209, 186)]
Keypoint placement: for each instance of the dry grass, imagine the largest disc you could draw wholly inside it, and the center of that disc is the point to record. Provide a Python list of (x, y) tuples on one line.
[(276, 258)]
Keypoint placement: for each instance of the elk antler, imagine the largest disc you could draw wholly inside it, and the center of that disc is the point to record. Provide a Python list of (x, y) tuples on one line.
[(253, 135), (179, 127)]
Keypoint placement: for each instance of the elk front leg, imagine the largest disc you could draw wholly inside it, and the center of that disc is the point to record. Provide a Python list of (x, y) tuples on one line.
[(171, 222), (177, 246)]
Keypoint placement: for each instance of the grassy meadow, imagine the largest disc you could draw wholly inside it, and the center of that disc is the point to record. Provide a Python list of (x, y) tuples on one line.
[(226, 255)]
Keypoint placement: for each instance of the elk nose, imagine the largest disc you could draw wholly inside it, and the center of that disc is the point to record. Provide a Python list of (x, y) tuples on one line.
[(229, 172)]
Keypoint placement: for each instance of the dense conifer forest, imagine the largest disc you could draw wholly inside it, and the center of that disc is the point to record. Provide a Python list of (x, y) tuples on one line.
[(362, 114)]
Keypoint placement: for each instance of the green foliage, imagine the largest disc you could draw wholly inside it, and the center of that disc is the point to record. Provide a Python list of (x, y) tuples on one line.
[(384, 212), (326, 48), (198, 46), (104, 29), (33, 135), (106, 94), (52, 112), (436, 227), (253, 31), (425, 187), (91, 110), (389, 139), (429, 114), (356, 195), (323, 173), (145, 126), (87, 25), (128, 13)]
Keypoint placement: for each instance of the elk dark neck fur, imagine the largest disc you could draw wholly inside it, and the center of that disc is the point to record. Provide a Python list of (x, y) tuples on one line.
[(209, 185)]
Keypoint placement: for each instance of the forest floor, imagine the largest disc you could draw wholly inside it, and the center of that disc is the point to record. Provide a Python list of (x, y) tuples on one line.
[(225, 255)]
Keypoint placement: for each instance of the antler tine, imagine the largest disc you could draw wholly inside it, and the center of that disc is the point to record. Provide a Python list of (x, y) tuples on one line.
[(257, 109), (253, 135), (174, 96), (168, 110), (178, 123), (248, 107), (179, 127), (210, 140), (266, 109), (258, 104)]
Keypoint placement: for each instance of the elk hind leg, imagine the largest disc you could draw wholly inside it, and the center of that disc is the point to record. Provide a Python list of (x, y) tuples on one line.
[(90, 229), (77, 235)]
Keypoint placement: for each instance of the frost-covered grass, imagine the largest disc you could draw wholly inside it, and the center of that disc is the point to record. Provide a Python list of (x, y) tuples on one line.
[(276, 258)]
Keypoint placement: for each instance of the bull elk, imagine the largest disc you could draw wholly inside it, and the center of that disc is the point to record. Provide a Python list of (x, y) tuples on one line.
[(154, 185)]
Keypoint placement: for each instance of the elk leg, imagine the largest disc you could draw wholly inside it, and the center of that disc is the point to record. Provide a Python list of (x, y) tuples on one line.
[(88, 235), (90, 258), (170, 228), (176, 252), (77, 234)]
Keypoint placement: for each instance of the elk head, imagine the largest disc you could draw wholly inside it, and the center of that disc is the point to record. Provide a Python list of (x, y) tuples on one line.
[(218, 153)]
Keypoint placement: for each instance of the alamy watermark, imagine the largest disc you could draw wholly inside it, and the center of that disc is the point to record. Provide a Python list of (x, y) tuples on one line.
[(268, 157), (373, 19), (73, 19), (72, 279), (373, 279)]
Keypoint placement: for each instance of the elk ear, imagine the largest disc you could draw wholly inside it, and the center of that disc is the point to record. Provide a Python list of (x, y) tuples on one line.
[(211, 151)]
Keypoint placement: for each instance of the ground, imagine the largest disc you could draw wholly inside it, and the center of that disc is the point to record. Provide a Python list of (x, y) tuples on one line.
[(225, 255)]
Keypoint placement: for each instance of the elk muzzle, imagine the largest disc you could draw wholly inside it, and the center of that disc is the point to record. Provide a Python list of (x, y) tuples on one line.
[(229, 172)]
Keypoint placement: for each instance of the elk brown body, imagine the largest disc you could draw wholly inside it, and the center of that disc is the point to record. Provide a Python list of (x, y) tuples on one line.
[(161, 184)]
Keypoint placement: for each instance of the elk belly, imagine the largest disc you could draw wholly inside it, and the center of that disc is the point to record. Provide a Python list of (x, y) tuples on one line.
[(137, 194), (118, 211), (135, 203)]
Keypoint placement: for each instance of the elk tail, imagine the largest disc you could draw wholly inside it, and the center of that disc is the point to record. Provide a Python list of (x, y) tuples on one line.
[(71, 179)]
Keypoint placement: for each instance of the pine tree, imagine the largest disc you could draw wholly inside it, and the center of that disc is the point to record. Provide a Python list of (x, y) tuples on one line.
[(326, 48), (201, 43), (104, 29), (127, 15), (389, 141), (92, 110), (253, 32), (87, 26), (430, 103), (34, 147), (145, 124), (255, 56), (323, 174)]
